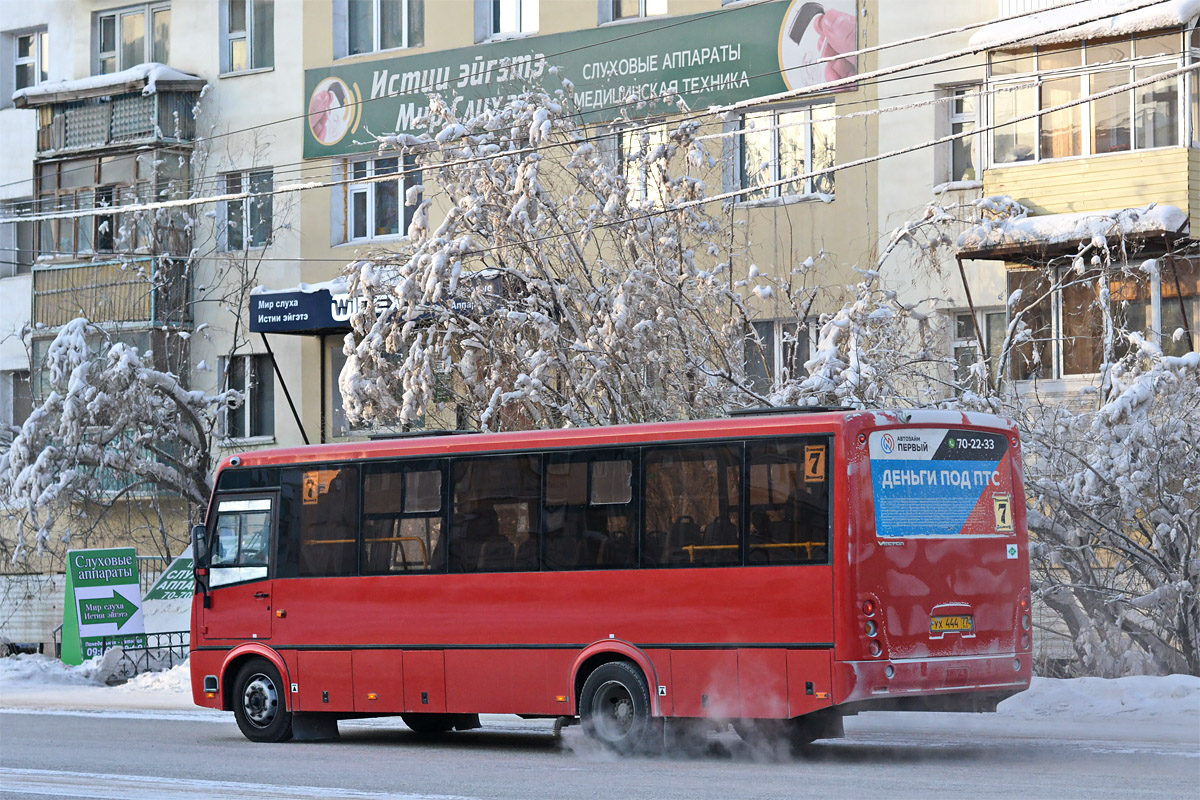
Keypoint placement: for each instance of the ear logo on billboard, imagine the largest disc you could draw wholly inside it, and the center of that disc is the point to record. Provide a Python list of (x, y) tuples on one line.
[(334, 110)]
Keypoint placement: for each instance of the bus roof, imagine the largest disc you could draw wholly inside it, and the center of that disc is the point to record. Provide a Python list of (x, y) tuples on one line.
[(743, 425)]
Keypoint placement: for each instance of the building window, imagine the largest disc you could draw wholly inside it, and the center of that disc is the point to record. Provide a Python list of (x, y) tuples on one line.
[(965, 345), (372, 25), (109, 182), (248, 35), (253, 376), (636, 149), (631, 9), (1028, 79), (1194, 83), (497, 17), (964, 119), (16, 241), (377, 206), (248, 221), (130, 36), (16, 402), (775, 352), (778, 147), (1061, 330), (31, 58)]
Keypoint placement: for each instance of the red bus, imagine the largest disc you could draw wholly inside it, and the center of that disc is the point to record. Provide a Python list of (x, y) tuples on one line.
[(777, 571)]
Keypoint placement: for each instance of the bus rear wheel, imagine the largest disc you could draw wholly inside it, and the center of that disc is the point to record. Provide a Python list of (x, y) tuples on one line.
[(614, 707), (258, 703)]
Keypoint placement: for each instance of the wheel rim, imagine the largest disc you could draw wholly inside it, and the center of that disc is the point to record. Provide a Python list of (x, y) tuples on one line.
[(613, 712), (260, 700)]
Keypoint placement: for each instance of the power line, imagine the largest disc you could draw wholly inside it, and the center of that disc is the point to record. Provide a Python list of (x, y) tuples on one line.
[(315, 163), (194, 201), (734, 194), (689, 20)]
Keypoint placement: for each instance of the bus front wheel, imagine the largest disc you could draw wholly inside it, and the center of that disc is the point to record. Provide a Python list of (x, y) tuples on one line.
[(614, 706), (258, 703)]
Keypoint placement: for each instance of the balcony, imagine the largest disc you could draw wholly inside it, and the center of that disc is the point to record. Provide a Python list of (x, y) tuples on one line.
[(145, 291), (150, 103)]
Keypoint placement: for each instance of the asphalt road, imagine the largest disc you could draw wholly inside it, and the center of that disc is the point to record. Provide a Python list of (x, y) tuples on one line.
[(159, 755)]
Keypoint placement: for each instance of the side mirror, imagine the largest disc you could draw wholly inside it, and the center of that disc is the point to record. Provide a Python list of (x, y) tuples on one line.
[(200, 546)]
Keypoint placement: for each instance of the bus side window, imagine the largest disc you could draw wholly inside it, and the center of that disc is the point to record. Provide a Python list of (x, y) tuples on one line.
[(693, 506), (326, 525), (402, 518), (495, 512), (590, 511), (789, 502)]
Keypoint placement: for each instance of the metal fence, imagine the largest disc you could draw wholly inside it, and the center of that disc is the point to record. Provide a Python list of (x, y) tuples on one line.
[(149, 568), (162, 651)]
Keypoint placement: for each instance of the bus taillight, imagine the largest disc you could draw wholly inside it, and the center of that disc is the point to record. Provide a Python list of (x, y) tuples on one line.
[(868, 607)]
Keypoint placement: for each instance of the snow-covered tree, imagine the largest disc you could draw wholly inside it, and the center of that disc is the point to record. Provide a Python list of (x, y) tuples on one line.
[(561, 287), (113, 427), (1111, 471)]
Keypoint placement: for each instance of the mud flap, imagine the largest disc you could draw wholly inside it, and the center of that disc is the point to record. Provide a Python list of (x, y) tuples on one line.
[(314, 727)]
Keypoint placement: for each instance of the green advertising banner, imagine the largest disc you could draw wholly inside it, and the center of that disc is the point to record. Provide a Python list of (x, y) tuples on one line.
[(103, 607), (176, 582), (635, 70)]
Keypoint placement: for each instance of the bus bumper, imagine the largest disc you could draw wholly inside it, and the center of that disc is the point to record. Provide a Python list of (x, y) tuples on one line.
[(963, 683)]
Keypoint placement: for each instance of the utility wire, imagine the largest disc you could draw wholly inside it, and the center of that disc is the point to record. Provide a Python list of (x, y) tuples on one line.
[(733, 195), (854, 53)]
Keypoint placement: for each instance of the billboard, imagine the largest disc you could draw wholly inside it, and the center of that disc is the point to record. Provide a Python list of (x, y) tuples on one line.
[(632, 70)]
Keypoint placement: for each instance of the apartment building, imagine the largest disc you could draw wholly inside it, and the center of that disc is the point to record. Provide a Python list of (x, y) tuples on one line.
[(369, 66), (106, 106), (1074, 169)]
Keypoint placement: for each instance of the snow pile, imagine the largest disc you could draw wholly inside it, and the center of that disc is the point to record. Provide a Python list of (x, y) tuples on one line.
[(175, 682), (39, 681), (1087, 20), (42, 671), (337, 285), (1104, 698)]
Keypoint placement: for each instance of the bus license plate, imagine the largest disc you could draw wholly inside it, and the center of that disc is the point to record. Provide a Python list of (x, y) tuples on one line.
[(955, 623)]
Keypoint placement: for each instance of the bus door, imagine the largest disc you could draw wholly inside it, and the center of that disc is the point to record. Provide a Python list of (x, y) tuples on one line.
[(239, 567)]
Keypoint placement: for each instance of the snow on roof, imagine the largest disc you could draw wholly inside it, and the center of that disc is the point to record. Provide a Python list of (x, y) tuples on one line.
[(338, 285), (1091, 19), (1020, 234), (144, 77)]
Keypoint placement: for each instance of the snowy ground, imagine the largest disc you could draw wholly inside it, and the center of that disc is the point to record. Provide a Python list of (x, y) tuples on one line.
[(1165, 709)]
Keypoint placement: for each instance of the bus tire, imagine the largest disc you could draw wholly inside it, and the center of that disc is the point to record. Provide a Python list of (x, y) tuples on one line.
[(614, 707), (258, 703)]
